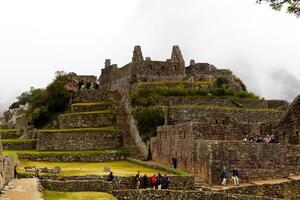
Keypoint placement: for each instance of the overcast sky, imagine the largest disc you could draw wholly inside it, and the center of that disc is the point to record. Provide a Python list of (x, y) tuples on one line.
[(37, 38)]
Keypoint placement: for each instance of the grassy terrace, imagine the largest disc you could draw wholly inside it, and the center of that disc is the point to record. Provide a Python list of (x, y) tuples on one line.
[(222, 108), (51, 195), (166, 83), (119, 168), (92, 104), (17, 140), (92, 112), (101, 129), (8, 130), (14, 153)]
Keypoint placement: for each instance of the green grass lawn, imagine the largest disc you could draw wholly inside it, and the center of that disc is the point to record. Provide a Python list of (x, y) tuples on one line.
[(50, 195), (119, 168)]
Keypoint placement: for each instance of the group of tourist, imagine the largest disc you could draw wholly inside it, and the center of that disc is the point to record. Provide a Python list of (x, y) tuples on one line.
[(258, 139), (155, 182), (76, 85), (235, 176)]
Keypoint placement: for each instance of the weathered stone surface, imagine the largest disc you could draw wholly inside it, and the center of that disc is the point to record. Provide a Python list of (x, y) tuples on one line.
[(86, 120), (86, 96), (26, 145), (205, 158), (182, 114), (78, 140), (172, 194), (288, 129), (88, 107), (75, 185), (93, 157), (285, 190)]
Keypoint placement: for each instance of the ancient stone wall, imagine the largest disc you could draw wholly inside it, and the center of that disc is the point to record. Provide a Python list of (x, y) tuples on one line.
[(86, 120), (75, 185), (8, 169), (182, 114), (173, 194), (85, 96), (78, 140), (205, 158), (26, 145), (285, 190), (88, 107), (288, 130), (277, 104), (198, 100), (73, 157)]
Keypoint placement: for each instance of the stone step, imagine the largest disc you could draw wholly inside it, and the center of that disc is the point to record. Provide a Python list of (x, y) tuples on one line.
[(18, 144), (86, 119), (74, 156), (88, 107), (79, 139)]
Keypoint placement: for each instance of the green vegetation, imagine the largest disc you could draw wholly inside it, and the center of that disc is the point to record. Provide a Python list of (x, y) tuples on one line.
[(45, 104), (101, 129), (290, 6), (156, 165), (145, 96), (92, 104), (15, 153), (51, 195), (16, 140), (149, 118), (91, 112), (120, 168), (226, 108), (8, 130)]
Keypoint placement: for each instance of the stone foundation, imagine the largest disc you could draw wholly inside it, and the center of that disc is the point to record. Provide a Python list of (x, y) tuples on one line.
[(86, 120), (171, 195), (78, 140), (26, 145)]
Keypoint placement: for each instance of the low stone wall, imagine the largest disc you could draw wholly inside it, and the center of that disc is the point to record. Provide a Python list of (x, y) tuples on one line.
[(26, 145), (198, 100), (183, 194), (87, 107), (78, 140), (86, 120), (9, 135), (277, 104), (176, 115), (74, 185), (85, 96), (285, 190), (8, 169), (176, 182), (101, 157)]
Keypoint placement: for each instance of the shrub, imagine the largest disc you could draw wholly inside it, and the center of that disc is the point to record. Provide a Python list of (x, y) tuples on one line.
[(149, 118), (218, 92), (40, 117), (221, 81)]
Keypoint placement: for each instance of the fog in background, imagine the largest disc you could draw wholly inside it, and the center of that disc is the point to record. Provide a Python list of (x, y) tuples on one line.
[(37, 38)]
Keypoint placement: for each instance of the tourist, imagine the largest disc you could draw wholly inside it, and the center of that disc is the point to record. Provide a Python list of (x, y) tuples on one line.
[(272, 139), (174, 163), (235, 176), (165, 182), (80, 84), (158, 181), (88, 85), (224, 175), (138, 180), (15, 172), (144, 182), (259, 140), (153, 181), (267, 139), (110, 177)]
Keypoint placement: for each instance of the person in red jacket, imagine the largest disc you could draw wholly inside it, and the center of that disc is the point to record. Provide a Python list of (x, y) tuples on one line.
[(153, 181)]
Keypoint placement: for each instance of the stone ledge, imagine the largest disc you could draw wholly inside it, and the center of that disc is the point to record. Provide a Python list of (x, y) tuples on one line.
[(18, 144), (87, 107)]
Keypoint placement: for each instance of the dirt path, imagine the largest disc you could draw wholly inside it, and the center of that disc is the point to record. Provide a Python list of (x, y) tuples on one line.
[(22, 189)]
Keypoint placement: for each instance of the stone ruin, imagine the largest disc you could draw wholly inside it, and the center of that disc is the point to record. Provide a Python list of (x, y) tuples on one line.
[(202, 134)]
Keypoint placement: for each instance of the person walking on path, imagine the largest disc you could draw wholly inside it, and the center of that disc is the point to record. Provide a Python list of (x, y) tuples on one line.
[(110, 177), (158, 181), (138, 180), (235, 176), (224, 176)]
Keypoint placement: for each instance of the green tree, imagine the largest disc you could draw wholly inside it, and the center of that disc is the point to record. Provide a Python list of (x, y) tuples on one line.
[(292, 6)]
